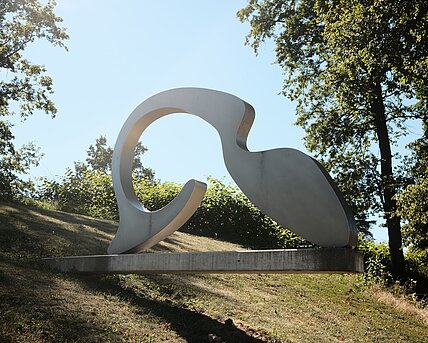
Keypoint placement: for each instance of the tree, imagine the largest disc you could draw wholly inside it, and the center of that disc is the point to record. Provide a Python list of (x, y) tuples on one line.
[(358, 71), (100, 158), (15, 162), (23, 83), (89, 188), (22, 22), (413, 201), (413, 208), (100, 155)]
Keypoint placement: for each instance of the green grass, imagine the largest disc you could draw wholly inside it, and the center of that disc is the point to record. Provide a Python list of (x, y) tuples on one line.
[(38, 305)]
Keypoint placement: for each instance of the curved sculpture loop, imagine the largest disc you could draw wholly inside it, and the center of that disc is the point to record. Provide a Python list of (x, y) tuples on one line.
[(285, 184)]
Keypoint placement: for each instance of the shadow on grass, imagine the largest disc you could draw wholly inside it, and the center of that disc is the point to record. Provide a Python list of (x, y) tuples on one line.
[(164, 248), (33, 310), (191, 325), (41, 232), (31, 305)]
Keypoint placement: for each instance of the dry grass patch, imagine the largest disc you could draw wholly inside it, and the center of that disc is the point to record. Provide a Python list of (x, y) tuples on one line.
[(401, 303)]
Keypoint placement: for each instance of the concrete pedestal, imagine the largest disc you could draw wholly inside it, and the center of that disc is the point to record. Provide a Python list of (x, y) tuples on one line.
[(323, 260)]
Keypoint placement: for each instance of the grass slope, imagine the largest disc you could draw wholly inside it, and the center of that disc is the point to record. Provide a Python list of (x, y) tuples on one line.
[(38, 305)]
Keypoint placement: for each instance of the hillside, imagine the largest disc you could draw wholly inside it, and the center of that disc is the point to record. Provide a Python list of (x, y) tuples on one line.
[(38, 305)]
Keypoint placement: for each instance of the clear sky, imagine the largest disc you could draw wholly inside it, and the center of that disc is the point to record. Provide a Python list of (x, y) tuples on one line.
[(122, 52)]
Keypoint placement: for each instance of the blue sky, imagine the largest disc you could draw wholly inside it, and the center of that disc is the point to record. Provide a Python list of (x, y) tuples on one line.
[(122, 52)]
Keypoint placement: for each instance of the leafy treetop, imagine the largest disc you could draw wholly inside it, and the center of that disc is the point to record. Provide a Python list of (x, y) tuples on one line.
[(100, 158), (22, 22)]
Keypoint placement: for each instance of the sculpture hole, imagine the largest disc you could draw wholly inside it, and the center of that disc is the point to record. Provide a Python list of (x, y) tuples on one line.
[(177, 144)]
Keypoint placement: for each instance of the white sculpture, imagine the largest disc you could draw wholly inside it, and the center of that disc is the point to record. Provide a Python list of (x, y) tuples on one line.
[(286, 184)]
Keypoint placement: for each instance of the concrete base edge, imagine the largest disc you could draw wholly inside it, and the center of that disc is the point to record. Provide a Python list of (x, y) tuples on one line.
[(323, 260)]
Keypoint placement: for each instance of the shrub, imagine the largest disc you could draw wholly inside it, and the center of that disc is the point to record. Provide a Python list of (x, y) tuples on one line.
[(417, 266), (90, 192), (225, 213), (377, 263)]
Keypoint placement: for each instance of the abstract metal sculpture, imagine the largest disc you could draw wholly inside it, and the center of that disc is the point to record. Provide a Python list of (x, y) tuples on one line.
[(285, 184)]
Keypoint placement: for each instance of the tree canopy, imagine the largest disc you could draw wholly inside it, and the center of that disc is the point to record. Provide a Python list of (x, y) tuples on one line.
[(23, 85), (100, 158), (22, 22), (358, 71), (413, 201)]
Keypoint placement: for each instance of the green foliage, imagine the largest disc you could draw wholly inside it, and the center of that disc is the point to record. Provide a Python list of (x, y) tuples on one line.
[(377, 263), (89, 188), (413, 206), (417, 262), (100, 158), (23, 22), (25, 84), (225, 212), (90, 192), (155, 195), (14, 163), (100, 155), (412, 202), (378, 269)]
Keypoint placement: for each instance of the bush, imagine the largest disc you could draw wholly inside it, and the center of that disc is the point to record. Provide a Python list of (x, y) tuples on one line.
[(225, 213), (377, 262), (377, 267), (90, 192), (417, 266)]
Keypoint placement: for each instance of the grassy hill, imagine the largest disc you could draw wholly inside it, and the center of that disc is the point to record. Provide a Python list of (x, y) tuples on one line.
[(38, 305)]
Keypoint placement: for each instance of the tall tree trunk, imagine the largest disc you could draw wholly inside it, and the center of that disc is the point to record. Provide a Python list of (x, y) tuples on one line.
[(388, 185)]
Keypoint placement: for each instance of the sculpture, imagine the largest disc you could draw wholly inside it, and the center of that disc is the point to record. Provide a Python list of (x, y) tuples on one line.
[(286, 184)]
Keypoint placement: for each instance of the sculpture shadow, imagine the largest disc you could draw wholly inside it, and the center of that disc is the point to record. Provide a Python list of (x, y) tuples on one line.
[(34, 310), (193, 326)]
